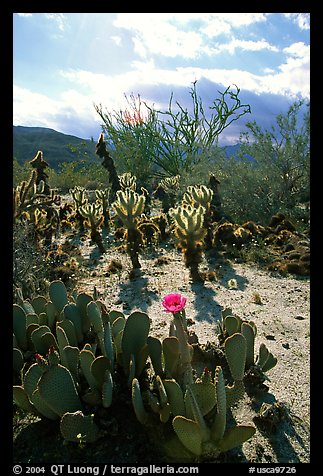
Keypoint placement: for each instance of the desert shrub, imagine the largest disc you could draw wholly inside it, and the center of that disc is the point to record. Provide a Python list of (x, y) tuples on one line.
[(167, 143), (29, 267), (269, 175), (19, 172), (72, 174)]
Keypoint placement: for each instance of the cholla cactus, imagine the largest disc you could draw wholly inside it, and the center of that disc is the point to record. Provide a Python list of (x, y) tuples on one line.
[(128, 181), (201, 195), (170, 184), (198, 195), (102, 198), (167, 191), (190, 232), (40, 165), (92, 212), (80, 198), (29, 195), (128, 206)]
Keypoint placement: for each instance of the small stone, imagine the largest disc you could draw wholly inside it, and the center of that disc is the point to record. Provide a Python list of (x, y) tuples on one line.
[(270, 337), (299, 318), (286, 345)]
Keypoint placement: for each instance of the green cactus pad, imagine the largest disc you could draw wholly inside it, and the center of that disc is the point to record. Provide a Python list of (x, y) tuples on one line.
[(72, 312), (108, 349), (266, 360), (57, 388), (189, 433), (58, 295), (62, 341), (219, 423), (118, 324), (77, 427), (231, 324), (134, 337), (175, 397), (235, 352), (171, 355), (71, 356), (39, 304), (107, 389), (270, 363), (21, 399), (248, 332), (27, 307), (51, 314), (155, 353), (164, 413), (42, 319), (18, 360), (82, 301), (205, 397), (137, 402), (98, 367), (19, 326), (42, 338), (236, 436), (69, 330), (42, 407), (31, 378), (234, 393), (32, 318), (95, 315), (86, 359)]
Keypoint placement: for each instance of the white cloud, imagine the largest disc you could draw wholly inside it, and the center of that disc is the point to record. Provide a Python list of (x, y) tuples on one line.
[(34, 109), (59, 18), (298, 50), (117, 40), (301, 19), (291, 79), (246, 45), (169, 34)]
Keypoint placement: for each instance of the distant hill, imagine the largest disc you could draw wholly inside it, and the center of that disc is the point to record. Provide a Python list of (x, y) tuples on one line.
[(57, 147), (27, 141)]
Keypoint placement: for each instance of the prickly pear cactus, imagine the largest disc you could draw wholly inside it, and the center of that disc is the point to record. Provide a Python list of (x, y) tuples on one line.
[(57, 388), (79, 428)]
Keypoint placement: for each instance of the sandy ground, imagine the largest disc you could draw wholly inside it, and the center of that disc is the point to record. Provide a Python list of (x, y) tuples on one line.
[(281, 313)]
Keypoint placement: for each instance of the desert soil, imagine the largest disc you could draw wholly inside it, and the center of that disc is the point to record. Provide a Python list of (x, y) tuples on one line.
[(278, 305)]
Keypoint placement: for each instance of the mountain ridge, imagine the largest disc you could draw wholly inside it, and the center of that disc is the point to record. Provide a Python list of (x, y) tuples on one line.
[(58, 147)]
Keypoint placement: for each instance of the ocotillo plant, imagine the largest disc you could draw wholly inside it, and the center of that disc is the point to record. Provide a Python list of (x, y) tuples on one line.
[(190, 232), (92, 212), (128, 206)]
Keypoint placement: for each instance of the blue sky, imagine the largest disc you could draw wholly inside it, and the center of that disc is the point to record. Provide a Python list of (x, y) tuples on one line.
[(63, 63)]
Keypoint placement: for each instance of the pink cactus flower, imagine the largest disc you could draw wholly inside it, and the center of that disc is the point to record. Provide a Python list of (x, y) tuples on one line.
[(174, 303)]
